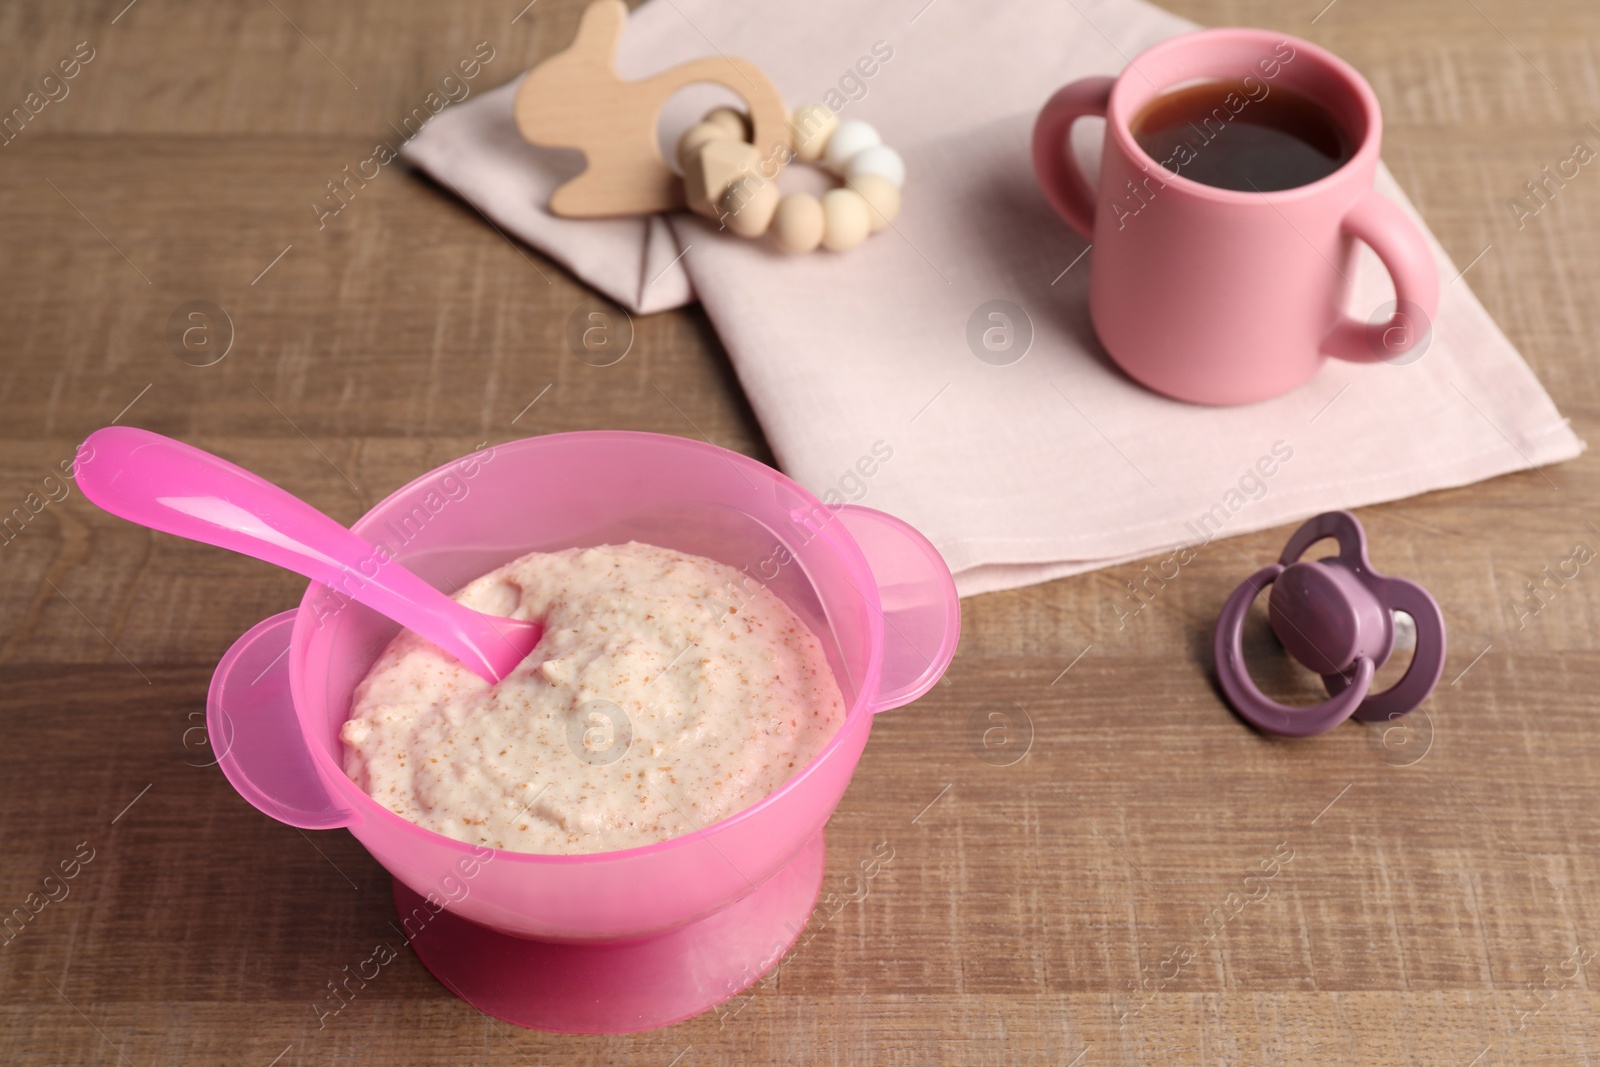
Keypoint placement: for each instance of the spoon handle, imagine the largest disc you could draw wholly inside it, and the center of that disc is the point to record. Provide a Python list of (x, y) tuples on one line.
[(179, 489)]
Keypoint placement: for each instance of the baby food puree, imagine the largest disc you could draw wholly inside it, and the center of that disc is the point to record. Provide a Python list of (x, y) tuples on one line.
[(649, 709)]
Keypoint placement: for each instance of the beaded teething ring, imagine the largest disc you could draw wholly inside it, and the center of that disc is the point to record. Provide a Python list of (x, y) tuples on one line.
[(726, 178)]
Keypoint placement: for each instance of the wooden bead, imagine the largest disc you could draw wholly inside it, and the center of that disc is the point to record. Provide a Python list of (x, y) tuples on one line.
[(710, 169), (850, 138), (701, 133), (879, 159), (809, 128), (882, 197), (730, 121), (846, 219), (798, 224), (748, 205)]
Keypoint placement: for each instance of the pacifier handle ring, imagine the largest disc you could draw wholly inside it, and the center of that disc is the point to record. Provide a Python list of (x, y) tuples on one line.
[(1241, 690), (1427, 660)]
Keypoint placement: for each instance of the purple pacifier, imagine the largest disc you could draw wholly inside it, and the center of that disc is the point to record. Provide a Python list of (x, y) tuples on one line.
[(1335, 616)]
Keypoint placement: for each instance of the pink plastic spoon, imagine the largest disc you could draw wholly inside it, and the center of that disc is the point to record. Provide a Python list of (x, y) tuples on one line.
[(179, 489)]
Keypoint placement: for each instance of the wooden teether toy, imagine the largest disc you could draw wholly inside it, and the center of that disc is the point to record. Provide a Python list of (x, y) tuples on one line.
[(575, 99), (730, 159)]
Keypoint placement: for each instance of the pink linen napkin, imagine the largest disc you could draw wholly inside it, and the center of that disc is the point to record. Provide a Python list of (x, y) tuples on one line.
[(859, 367)]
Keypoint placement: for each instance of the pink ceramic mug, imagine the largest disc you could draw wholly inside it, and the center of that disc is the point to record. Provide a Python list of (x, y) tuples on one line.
[(1223, 297)]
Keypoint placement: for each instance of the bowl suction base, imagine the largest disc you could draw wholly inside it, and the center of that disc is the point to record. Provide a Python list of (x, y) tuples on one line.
[(621, 988)]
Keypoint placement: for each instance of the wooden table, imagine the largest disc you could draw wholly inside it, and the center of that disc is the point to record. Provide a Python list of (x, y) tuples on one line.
[(1063, 909)]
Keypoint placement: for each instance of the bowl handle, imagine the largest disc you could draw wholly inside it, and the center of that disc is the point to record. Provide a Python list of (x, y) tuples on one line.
[(255, 733), (921, 611)]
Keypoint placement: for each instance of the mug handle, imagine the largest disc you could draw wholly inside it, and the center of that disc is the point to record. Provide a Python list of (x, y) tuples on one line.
[(1068, 191), (1383, 227)]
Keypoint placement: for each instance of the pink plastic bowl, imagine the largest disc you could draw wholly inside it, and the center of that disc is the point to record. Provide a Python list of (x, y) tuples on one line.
[(875, 592)]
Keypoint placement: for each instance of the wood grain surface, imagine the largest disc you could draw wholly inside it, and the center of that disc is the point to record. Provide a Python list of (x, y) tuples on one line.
[(1441, 879)]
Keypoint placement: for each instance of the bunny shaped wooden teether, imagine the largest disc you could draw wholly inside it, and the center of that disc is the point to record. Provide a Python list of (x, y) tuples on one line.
[(575, 99)]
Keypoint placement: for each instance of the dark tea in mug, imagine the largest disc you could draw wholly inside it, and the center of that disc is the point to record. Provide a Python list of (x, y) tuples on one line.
[(1242, 134)]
